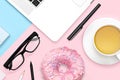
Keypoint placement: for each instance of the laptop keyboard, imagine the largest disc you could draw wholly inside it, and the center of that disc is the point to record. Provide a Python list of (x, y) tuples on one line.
[(36, 2)]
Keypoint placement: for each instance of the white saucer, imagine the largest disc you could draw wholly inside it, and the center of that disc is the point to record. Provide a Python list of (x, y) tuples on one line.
[(88, 41)]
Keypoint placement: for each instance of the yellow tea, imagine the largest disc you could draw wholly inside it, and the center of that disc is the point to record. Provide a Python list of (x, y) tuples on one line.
[(107, 39)]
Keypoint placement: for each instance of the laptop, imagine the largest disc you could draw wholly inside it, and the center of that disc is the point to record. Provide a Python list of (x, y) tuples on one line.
[(52, 17)]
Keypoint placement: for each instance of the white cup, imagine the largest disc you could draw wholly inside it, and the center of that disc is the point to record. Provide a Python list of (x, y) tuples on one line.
[(104, 22)]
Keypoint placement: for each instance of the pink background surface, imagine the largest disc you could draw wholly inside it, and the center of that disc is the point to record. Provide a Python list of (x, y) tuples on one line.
[(93, 71)]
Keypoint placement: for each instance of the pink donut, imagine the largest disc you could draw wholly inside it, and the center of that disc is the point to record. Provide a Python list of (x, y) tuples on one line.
[(62, 64)]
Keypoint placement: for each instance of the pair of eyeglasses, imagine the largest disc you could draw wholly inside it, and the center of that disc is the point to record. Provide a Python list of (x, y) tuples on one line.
[(17, 58)]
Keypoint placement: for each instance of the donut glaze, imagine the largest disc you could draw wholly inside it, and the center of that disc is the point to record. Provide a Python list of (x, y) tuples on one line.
[(62, 64)]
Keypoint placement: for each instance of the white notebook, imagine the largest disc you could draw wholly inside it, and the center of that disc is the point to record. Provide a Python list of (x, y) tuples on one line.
[(53, 17), (2, 75), (3, 35)]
